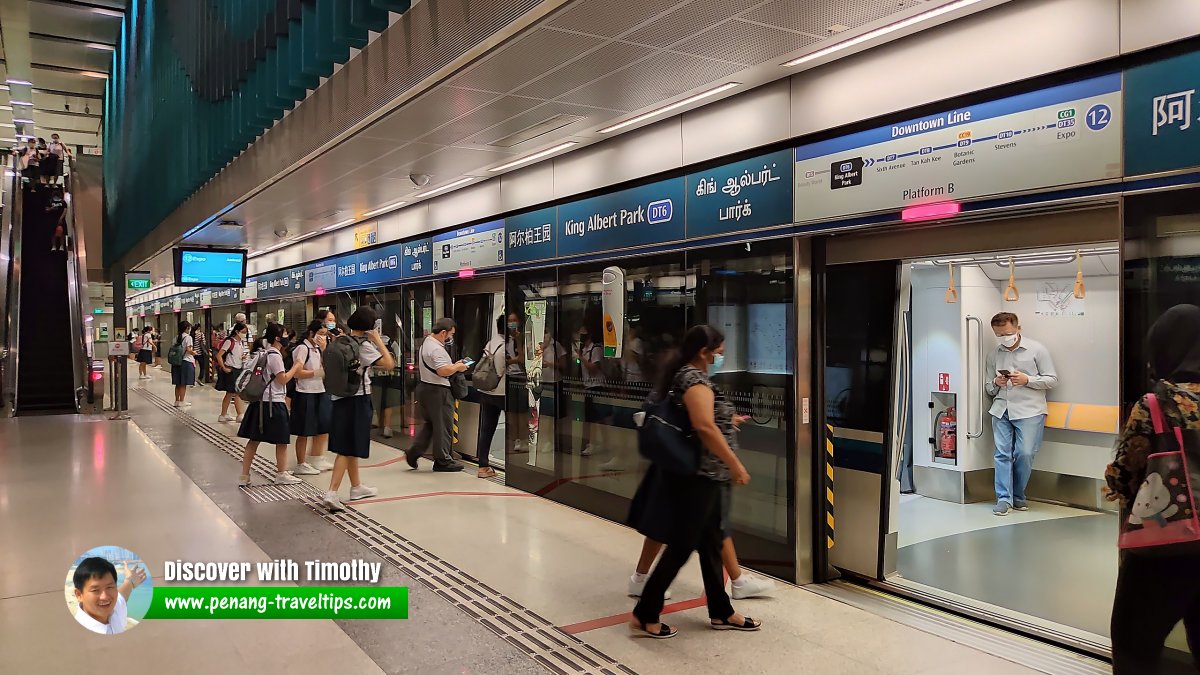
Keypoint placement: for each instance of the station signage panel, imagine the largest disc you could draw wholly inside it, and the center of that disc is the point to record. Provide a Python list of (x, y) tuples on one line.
[(745, 195), (322, 276), (648, 214), (1162, 115), (190, 300), (280, 283), (379, 266), (474, 247), (225, 296), (418, 258), (1058, 136), (530, 236)]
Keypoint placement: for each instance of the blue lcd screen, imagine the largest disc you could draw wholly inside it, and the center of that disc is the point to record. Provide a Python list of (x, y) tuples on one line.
[(210, 267)]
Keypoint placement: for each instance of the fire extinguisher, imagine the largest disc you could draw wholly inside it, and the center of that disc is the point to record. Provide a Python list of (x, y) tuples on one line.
[(948, 433)]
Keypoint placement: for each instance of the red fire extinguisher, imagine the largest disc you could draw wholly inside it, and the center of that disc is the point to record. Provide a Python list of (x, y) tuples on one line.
[(948, 434)]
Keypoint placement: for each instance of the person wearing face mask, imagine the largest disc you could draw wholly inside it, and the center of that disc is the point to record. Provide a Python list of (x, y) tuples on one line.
[(694, 516), (1018, 373), (326, 321), (231, 358), (491, 401), (590, 355), (266, 421), (312, 408), (433, 393)]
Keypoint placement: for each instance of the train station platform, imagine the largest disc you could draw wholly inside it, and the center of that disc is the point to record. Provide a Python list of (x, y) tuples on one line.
[(501, 581)]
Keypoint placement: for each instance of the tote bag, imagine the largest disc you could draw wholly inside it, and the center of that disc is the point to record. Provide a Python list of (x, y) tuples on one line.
[(1163, 514)]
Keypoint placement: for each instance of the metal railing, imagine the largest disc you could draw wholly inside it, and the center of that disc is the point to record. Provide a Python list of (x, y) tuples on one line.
[(82, 343), (10, 286)]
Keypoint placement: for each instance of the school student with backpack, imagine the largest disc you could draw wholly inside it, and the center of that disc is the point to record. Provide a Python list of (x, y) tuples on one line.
[(348, 361), (231, 358), (182, 359), (489, 380), (144, 344), (1154, 477), (312, 409), (266, 419)]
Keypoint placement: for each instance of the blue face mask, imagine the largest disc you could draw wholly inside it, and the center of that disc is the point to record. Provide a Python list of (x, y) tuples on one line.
[(331, 325), (715, 366)]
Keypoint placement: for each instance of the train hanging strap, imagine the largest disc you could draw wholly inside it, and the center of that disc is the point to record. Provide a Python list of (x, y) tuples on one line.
[(1080, 289), (1011, 294), (951, 291)]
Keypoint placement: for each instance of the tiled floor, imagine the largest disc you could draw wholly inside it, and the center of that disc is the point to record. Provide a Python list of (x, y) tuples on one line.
[(565, 565)]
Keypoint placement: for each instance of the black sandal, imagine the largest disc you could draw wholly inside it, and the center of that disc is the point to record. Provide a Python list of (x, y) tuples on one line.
[(664, 631), (747, 624)]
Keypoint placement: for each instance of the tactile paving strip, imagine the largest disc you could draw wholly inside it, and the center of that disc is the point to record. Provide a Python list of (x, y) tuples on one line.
[(534, 635)]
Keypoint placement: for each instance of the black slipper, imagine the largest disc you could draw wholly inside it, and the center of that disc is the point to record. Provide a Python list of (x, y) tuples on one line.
[(747, 624), (664, 631)]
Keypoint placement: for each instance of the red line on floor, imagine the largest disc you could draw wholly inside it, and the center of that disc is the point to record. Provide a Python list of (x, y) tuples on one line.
[(615, 619), (559, 482), (447, 493), (384, 463)]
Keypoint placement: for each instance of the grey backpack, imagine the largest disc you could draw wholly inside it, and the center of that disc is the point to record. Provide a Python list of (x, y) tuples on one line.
[(486, 375), (252, 381), (343, 369)]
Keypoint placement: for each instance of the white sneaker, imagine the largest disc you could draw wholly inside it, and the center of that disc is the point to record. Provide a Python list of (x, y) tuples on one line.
[(635, 587), (145, 377), (321, 463), (244, 481), (286, 478), (187, 404), (331, 502), (588, 451), (306, 469), (225, 418), (387, 432), (238, 418), (178, 404), (614, 464), (362, 492), (751, 587)]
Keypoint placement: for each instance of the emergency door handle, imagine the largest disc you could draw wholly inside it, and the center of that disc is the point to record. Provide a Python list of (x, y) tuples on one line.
[(974, 371)]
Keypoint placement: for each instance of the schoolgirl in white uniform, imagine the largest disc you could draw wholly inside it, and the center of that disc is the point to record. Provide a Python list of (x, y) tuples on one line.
[(312, 408), (231, 358), (266, 421)]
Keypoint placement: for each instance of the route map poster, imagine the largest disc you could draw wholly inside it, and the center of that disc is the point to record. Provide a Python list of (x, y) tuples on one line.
[(1059, 136)]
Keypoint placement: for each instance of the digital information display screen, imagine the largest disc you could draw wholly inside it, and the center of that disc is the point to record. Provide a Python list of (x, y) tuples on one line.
[(210, 267)]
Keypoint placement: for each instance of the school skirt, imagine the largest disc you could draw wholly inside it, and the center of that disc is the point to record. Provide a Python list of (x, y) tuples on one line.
[(145, 356), (228, 381), (312, 414), (183, 375), (350, 431), (267, 423)]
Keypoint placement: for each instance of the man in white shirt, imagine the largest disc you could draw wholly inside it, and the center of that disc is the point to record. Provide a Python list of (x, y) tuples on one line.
[(437, 403), (103, 605), (1019, 373)]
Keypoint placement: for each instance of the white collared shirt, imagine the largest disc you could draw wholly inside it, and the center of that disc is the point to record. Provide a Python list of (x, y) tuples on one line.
[(116, 622)]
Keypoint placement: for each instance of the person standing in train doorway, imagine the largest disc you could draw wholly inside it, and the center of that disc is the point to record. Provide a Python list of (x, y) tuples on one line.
[(1018, 373), (437, 403)]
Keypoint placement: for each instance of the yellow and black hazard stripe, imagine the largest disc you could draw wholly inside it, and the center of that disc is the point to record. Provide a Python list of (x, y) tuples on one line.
[(829, 486), (454, 426)]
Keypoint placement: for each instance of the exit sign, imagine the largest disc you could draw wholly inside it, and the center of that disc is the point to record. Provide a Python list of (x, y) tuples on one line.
[(139, 284)]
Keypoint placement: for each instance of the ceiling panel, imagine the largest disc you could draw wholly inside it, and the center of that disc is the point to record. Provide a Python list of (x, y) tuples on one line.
[(688, 20), (662, 77), (610, 19), (589, 117), (449, 163), (427, 113), (598, 63), (483, 118), (817, 17), (745, 43), (66, 121), (49, 79), (525, 59), (70, 55), (78, 23)]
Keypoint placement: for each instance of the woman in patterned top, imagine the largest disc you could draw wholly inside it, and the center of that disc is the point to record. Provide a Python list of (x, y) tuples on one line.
[(696, 515), (1157, 590)]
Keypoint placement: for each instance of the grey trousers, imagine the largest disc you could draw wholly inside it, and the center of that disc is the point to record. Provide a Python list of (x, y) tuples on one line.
[(437, 416)]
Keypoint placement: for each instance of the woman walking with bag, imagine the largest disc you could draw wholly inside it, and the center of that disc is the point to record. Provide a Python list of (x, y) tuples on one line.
[(696, 514), (266, 421), (1159, 584)]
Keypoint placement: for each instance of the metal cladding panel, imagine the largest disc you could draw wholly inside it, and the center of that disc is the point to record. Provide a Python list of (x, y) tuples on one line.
[(1149, 23), (611, 19), (745, 43), (525, 59)]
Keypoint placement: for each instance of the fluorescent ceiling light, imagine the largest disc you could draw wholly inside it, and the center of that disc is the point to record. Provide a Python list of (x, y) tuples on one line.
[(92, 73), (13, 80), (445, 187), (674, 106), (7, 124), (383, 209), (114, 13), (349, 221), (25, 103), (4, 87), (97, 45), (5, 107), (535, 156), (23, 120), (882, 30)]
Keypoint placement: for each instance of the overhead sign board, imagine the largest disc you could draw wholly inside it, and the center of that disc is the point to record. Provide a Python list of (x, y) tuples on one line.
[(648, 214), (530, 236), (137, 281), (745, 195), (1059, 136), (474, 247), (1162, 115), (417, 256)]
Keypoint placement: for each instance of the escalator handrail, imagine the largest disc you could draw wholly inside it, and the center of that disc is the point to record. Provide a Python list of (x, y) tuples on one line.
[(10, 277), (77, 287)]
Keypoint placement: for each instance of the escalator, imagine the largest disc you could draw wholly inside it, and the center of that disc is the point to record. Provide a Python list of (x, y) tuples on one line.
[(46, 368)]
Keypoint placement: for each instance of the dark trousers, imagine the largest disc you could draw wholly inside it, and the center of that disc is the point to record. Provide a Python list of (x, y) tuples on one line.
[(1153, 594), (703, 498), (490, 407), (202, 369), (437, 416)]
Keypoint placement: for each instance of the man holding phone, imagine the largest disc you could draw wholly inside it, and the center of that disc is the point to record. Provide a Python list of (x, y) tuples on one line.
[(433, 393), (1019, 372)]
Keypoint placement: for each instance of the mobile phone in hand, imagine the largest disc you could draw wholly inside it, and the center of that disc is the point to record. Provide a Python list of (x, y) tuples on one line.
[(1005, 373)]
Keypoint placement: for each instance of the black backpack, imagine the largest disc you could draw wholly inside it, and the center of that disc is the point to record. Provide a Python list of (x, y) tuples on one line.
[(343, 369)]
